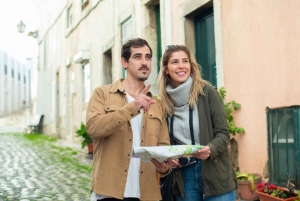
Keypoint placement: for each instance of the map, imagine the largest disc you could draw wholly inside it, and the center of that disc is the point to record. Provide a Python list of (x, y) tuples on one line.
[(162, 153)]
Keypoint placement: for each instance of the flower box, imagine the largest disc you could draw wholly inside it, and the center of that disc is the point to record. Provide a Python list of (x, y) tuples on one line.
[(266, 197)]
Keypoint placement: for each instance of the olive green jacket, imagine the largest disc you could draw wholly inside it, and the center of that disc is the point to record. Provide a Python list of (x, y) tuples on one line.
[(217, 171)]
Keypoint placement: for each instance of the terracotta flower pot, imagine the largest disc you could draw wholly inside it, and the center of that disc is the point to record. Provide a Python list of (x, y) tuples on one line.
[(266, 197), (90, 147), (245, 191)]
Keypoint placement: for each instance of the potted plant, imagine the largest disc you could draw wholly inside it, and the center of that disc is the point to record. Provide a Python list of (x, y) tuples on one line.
[(232, 128), (247, 185), (270, 192), (87, 140), (298, 199)]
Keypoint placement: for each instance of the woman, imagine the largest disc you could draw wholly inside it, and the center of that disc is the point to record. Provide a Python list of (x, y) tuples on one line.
[(196, 115)]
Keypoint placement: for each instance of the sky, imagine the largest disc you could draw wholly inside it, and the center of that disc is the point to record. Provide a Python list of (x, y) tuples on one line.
[(19, 45)]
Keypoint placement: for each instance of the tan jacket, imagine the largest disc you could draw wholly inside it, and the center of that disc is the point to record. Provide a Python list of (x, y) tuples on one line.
[(108, 123)]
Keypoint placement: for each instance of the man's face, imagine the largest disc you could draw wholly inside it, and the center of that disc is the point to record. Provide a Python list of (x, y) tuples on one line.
[(139, 63)]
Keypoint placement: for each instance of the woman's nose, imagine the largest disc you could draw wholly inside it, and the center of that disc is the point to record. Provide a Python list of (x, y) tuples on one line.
[(180, 65)]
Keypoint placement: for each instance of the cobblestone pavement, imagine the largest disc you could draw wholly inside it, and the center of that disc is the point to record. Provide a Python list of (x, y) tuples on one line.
[(33, 169)]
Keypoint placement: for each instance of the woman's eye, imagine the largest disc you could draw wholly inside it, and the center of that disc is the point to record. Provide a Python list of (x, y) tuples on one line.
[(174, 62)]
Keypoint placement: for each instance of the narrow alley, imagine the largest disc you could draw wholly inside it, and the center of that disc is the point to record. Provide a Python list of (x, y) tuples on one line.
[(37, 167)]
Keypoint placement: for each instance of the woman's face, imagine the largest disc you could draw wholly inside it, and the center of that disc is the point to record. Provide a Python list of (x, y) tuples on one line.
[(179, 68)]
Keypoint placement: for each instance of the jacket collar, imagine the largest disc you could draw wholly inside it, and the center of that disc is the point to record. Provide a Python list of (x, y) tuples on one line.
[(117, 86)]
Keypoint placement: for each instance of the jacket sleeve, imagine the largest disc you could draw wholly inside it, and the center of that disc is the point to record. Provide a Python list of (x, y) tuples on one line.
[(219, 123), (102, 121)]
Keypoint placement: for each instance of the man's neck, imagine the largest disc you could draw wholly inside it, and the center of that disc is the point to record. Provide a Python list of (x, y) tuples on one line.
[(133, 87)]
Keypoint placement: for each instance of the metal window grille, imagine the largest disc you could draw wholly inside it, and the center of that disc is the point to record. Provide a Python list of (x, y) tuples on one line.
[(283, 145)]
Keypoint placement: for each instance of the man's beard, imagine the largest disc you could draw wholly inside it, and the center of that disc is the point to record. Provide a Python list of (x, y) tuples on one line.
[(143, 78)]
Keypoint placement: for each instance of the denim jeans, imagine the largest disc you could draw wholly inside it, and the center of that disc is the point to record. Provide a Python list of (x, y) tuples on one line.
[(194, 186)]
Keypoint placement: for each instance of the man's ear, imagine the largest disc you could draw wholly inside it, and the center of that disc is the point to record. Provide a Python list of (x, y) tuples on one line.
[(124, 63)]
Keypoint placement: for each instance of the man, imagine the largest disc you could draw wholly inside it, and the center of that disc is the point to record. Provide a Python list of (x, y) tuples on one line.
[(121, 116)]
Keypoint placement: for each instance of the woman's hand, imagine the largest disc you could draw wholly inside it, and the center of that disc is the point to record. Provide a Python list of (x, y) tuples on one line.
[(203, 153)]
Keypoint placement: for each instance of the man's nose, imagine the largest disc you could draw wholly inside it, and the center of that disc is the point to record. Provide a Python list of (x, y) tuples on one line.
[(144, 61)]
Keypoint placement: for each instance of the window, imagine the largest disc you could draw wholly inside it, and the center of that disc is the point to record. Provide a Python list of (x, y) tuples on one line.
[(283, 145), (107, 67), (86, 88), (24, 79), (69, 16), (84, 4), (12, 73), (5, 69), (19, 76), (126, 29)]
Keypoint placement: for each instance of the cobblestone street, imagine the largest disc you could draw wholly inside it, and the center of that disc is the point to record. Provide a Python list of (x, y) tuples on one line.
[(36, 168)]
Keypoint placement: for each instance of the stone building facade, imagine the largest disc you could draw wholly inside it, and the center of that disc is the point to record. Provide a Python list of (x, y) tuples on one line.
[(250, 47)]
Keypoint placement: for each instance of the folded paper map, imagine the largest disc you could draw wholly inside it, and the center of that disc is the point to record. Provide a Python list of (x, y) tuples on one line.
[(162, 153)]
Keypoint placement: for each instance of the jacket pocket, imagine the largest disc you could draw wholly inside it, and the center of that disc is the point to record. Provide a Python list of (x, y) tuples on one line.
[(217, 175), (110, 108), (153, 123)]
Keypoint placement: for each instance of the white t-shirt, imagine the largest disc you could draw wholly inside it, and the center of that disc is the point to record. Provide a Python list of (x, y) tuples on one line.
[(132, 188)]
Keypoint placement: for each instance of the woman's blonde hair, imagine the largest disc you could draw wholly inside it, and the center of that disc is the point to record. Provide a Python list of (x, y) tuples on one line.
[(164, 79)]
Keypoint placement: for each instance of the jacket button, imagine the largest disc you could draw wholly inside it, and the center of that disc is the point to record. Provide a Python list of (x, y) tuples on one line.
[(142, 141), (132, 115), (125, 170), (130, 140), (119, 122), (128, 154), (142, 172)]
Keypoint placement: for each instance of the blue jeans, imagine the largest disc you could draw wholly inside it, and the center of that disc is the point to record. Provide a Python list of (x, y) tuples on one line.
[(194, 186)]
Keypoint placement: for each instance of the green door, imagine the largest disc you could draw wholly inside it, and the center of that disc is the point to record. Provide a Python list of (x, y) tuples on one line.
[(205, 45), (158, 36)]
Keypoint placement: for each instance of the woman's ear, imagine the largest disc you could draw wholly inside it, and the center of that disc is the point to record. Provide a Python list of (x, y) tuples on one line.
[(167, 71)]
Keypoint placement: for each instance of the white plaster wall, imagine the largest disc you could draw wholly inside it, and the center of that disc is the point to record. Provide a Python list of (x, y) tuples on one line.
[(12, 90)]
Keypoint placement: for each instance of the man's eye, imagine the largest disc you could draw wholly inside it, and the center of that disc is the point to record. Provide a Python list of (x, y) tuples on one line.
[(137, 56), (148, 57)]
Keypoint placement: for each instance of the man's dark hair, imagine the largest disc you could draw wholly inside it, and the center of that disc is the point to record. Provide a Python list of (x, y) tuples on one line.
[(134, 42)]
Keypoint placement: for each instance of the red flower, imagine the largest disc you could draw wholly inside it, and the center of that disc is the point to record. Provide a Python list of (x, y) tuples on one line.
[(261, 185), (272, 186)]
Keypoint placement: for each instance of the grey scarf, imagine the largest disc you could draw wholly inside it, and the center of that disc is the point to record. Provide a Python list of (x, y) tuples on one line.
[(180, 98)]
